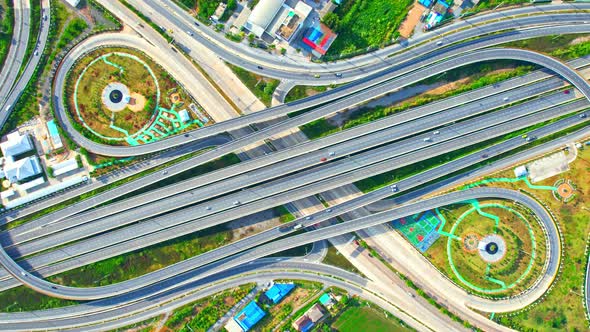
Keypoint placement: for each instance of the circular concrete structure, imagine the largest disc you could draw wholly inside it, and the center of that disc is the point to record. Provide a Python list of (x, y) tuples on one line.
[(492, 248), (115, 96)]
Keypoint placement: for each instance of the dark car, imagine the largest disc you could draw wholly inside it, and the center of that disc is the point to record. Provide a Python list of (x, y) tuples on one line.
[(259, 67)]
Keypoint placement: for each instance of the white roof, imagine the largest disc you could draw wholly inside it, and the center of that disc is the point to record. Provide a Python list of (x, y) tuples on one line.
[(6, 193), (65, 166), (31, 184), (22, 169), (303, 9), (73, 3), (45, 191), (15, 145), (520, 171), (262, 15)]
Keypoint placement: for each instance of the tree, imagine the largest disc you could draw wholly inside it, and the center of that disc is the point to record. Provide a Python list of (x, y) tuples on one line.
[(332, 21), (232, 4), (283, 51)]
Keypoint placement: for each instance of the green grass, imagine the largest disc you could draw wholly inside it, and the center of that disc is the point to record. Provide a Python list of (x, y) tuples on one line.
[(6, 28), (364, 318), (262, 87), (363, 24), (74, 29), (284, 215), (321, 127), (562, 309), (334, 258), (203, 313), (302, 91)]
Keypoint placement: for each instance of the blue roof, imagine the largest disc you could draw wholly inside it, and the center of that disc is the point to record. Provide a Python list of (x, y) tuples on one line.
[(249, 316), (425, 3), (278, 291), (325, 299)]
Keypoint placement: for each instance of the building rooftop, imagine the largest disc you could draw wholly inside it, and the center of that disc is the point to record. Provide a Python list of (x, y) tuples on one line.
[(249, 316), (15, 145), (319, 38), (262, 15), (22, 169), (278, 291)]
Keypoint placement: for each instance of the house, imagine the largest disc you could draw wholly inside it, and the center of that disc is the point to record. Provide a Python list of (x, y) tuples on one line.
[(262, 15), (219, 11), (276, 293), (16, 145), (318, 39), (310, 318), (521, 171), (22, 169), (326, 300), (249, 316)]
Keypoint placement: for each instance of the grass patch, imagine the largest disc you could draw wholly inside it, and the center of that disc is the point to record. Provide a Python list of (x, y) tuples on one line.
[(303, 91), (262, 87), (562, 308), (135, 76), (362, 316), (334, 258), (362, 25), (486, 76), (6, 28), (203, 313), (283, 213)]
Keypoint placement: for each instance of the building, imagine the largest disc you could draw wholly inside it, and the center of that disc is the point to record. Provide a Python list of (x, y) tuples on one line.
[(273, 19), (310, 318), (22, 169), (183, 114), (73, 3), (219, 12), (262, 15), (326, 300), (15, 146), (276, 293), (318, 39), (520, 171), (65, 166), (249, 316)]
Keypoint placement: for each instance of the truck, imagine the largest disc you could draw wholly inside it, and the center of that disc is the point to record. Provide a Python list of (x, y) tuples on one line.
[(298, 226)]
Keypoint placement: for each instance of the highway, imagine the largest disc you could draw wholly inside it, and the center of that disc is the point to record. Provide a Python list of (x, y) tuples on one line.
[(16, 50), (339, 229), (166, 13), (70, 230), (448, 168), (344, 96), (340, 166), (9, 98)]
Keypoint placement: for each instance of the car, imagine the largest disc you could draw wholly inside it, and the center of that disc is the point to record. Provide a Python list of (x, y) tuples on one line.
[(436, 132), (439, 42), (163, 28), (323, 159), (298, 226), (505, 99), (524, 136), (8, 107), (259, 67), (44, 17), (426, 139), (317, 76), (567, 92), (36, 53), (332, 153), (329, 210), (530, 138), (174, 49), (236, 203), (338, 75), (190, 33), (582, 116), (187, 135), (394, 188), (308, 218), (485, 155), (208, 208), (164, 172), (53, 287), (23, 273), (370, 255), (197, 24)]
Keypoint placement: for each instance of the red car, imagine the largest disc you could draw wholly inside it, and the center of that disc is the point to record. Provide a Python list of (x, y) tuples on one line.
[(323, 159)]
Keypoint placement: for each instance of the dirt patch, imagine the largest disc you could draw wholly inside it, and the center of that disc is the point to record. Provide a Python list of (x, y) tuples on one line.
[(137, 102), (412, 19), (253, 224), (580, 40)]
